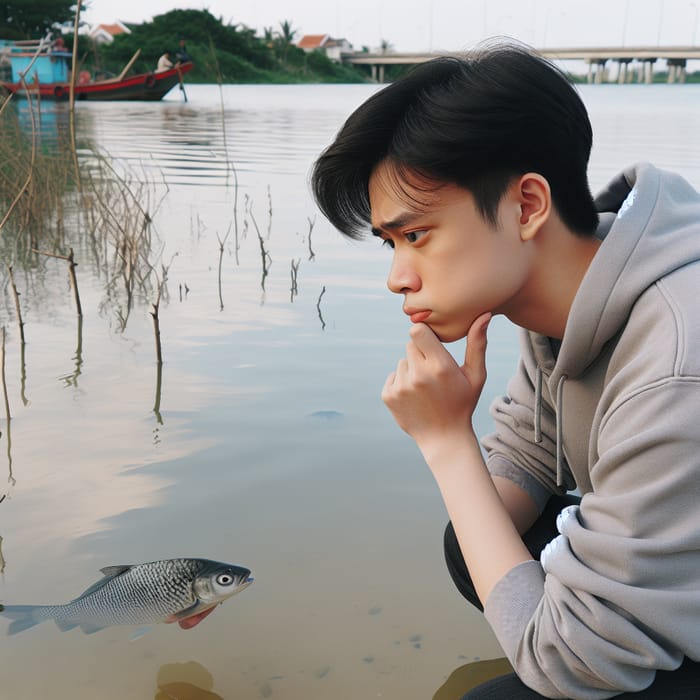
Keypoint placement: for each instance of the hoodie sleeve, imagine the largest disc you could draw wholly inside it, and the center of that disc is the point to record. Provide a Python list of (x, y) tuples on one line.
[(617, 593)]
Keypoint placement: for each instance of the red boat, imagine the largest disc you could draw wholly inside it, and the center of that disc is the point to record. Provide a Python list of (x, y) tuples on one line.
[(39, 71)]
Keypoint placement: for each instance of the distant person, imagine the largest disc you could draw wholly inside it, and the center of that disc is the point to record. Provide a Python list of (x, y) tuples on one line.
[(181, 54), (58, 44), (164, 63)]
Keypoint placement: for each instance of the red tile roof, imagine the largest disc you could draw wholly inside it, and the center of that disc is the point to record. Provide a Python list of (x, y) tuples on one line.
[(313, 41)]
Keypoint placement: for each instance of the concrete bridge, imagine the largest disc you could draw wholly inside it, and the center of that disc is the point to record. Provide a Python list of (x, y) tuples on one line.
[(633, 62)]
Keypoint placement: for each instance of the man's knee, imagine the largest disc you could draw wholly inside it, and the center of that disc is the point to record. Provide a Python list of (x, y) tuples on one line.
[(457, 568)]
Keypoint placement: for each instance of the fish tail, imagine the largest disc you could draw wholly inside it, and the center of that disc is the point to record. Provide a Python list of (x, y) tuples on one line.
[(25, 616)]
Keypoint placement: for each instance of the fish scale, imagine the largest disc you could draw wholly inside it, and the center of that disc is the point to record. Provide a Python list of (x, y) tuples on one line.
[(161, 589)]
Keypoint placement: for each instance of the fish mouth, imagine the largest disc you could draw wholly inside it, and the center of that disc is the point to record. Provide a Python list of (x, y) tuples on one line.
[(244, 583)]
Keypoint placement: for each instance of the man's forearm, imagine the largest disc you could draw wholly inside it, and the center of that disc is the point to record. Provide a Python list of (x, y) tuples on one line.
[(487, 536)]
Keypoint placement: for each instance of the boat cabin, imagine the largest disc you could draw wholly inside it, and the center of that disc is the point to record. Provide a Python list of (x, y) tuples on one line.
[(52, 65)]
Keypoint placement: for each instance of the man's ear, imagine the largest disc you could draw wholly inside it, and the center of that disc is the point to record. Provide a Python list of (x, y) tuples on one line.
[(535, 199)]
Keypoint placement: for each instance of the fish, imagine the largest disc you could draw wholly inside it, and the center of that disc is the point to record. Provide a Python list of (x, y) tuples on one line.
[(170, 590)]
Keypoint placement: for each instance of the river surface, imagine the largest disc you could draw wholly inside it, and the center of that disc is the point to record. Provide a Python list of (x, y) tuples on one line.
[(267, 445)]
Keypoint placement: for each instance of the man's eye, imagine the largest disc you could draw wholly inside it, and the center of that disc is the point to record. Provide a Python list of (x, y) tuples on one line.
[(388, 242), (414, 236)]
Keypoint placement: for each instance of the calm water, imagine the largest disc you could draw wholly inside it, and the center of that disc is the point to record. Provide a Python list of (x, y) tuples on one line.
[(271, 448)]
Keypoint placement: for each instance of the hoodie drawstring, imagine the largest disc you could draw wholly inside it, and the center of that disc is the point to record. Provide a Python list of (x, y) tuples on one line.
[(560, 431), (538, 405), (560, 421)]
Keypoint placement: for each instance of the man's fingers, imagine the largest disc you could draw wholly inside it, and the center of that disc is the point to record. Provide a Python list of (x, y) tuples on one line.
[(475, 355), (425, 340)]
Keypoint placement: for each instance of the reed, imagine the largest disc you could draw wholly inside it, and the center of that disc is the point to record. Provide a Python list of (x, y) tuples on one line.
[(318, 308), (265, 257), (294, 272), (222, 243), (312, 223)]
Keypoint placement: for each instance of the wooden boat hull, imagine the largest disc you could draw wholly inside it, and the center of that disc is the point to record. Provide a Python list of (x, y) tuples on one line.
[(145, 86)]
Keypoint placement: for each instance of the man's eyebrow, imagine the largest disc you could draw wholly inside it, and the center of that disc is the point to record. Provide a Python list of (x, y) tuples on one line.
[(399, 222)]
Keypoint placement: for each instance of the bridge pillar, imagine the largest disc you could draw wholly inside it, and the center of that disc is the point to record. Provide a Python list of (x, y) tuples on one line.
[(676, 70), (378, 72), (648, 65), (601, 72), (622, 66)]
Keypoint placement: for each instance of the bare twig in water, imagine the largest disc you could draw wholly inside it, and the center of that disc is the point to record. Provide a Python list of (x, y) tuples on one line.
[(15, 294), (222, 243), (159, 353), (8, 417), (2, 559), (265, 256), (312, 223), (159, 385), (156, 319), (71, 272), (294, 272), (318, 308), (2, 372)]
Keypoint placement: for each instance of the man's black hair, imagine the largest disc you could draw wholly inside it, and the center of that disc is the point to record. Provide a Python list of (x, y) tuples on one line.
[(477, 121)]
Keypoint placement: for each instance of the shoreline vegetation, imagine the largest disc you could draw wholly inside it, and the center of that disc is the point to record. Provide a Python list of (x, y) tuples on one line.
[(224, 53)]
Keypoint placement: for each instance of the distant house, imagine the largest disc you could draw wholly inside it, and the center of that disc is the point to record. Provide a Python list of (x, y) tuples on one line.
[(105, 33), (326, 43)]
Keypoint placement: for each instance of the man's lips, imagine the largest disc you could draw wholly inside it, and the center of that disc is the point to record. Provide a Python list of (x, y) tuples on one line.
[(418, 316)]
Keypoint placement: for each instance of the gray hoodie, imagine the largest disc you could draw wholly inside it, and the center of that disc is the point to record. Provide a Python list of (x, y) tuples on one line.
[(614, 413)]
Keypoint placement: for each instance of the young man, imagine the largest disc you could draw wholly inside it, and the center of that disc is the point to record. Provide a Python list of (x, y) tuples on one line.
[(474, 172)]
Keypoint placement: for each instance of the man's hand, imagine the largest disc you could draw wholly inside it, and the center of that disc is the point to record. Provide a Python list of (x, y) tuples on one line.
[(430, 396)]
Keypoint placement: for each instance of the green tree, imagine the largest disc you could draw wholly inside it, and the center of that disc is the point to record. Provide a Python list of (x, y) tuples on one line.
[(31, 19), (285, 39)]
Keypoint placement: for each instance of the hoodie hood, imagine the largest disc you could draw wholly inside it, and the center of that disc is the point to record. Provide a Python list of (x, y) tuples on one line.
[(649, 226)]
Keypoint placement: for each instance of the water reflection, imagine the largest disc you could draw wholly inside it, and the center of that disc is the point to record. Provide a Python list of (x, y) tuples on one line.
[(71, 378), (185, 681), (469, 676)]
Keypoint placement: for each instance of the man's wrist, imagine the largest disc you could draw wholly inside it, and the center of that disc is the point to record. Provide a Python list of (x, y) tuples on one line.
[(445, 450)]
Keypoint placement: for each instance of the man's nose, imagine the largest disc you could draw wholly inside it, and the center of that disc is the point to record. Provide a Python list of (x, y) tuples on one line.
[(402, 277)]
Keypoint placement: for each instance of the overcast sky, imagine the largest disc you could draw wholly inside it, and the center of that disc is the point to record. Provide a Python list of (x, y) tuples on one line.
[(418, 25)]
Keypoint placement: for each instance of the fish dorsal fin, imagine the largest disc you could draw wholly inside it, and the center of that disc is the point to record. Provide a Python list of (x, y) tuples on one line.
[(116, 570), (109, 572)]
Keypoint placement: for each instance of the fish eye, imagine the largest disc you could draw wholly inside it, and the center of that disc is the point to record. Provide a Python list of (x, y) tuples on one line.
[(224, 579)]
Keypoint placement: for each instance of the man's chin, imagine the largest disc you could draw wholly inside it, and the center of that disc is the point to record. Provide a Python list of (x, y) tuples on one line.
[(448, 335)]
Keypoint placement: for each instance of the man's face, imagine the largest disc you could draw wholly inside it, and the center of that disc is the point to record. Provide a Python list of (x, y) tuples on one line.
[(449, 263)]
